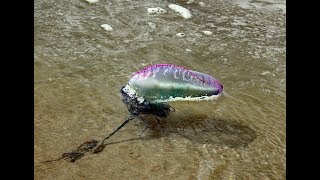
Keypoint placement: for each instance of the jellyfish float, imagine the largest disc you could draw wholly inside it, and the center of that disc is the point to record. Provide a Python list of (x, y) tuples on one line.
[(149, 91)]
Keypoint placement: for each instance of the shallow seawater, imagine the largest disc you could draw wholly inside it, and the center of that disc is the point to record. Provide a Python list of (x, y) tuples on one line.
[(79, 68)]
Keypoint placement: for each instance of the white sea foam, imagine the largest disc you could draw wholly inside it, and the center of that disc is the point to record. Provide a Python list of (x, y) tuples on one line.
[(274, 5), (156, 10), (185, 13)]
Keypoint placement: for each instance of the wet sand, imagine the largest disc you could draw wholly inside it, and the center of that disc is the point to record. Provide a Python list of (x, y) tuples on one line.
[(80, 67)]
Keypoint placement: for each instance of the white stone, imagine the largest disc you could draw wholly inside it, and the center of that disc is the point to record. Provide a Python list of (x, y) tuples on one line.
[(185, 13), (202, 4), (107, 27), (207, 33), (180, 34), (92, 1), (152, 25)]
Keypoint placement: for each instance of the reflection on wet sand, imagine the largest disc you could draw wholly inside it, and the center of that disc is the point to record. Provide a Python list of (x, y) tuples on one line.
[(222, 132)]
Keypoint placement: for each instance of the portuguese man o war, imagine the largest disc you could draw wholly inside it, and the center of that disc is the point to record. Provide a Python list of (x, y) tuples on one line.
[(149, 89), (148, 92)]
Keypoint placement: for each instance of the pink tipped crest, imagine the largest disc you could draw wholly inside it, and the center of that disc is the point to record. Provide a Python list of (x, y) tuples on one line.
[(148, 70)]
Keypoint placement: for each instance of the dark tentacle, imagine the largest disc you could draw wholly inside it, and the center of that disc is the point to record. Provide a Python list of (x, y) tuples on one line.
[(101, 146), (118, 128), (144, 129), (158, 120), (145, 125), (174, 110)]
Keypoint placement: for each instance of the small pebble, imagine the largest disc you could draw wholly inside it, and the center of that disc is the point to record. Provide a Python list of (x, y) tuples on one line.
[(107, 27), (92, 1), (152, 25), (202, 4), (180, 34), (207, 33)]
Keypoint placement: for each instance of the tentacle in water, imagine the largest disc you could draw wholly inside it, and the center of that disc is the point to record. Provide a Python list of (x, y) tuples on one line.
[(101, 146)]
